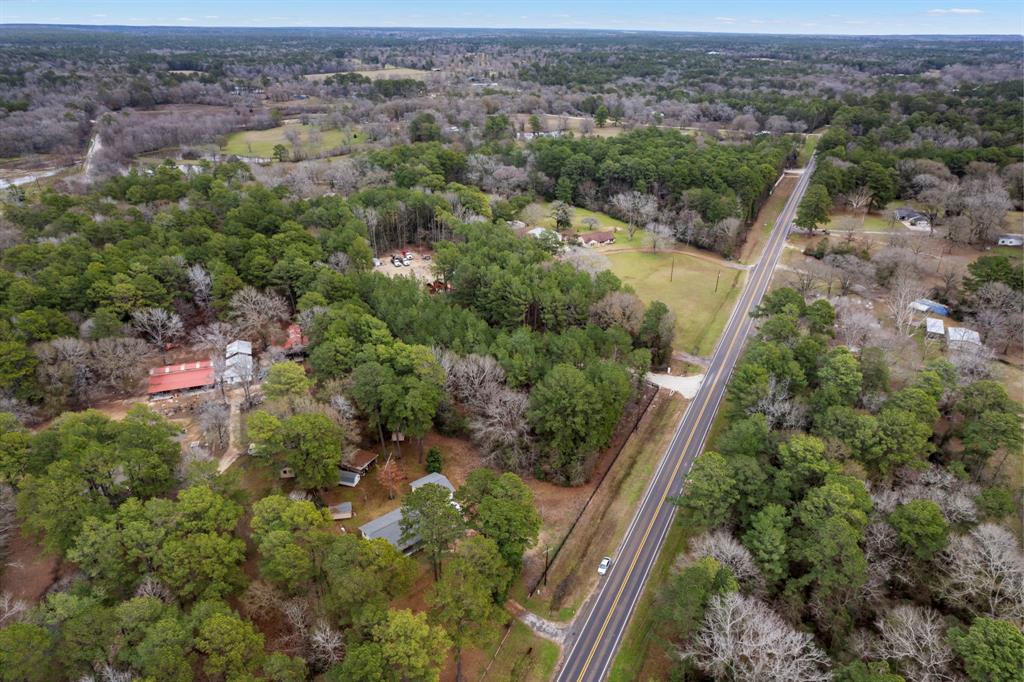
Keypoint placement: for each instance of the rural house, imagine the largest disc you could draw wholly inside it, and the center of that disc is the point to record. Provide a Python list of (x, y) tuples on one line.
[(389, 526)]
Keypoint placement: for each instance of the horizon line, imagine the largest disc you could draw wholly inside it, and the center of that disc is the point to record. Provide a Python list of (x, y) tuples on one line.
[(191, 26)]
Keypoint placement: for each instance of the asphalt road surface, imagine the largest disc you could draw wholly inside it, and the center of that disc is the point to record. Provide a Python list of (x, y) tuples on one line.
[(593, 648)]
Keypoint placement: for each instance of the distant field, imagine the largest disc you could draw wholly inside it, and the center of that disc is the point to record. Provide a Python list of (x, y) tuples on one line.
[(552, 122), (374, 74), (700, 311), (262, 142)]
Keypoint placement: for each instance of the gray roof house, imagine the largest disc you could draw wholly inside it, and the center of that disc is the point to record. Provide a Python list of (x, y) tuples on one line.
[(438, 479), (389, 526)]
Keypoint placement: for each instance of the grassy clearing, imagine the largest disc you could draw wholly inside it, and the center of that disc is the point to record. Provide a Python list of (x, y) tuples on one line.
[(810, 143), (701, 312), (604, 221), (875, 222), (374, 74), (523, 656), (262, 142)]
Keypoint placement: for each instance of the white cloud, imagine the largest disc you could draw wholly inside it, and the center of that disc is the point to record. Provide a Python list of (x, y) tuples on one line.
[(953, 10), (211, 16), (99, 16), (726, 20), (186, 19)]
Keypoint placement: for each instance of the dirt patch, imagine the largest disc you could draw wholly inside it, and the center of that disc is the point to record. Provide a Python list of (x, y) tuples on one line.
[(29, 572), (419, 268)]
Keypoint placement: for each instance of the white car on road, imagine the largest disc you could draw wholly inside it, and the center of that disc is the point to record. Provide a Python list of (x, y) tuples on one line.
[(606, 563)]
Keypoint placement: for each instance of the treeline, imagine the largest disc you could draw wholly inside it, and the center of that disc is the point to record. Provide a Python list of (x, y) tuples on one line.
[(839, 506)]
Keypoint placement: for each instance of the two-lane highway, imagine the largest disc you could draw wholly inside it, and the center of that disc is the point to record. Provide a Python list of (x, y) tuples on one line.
[(593, 649)]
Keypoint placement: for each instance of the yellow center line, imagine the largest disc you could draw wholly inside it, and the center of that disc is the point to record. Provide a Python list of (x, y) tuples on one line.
[(754, 285)]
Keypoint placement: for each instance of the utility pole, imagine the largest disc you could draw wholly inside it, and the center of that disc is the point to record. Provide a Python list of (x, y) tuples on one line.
[(717, 277), (672, 272)]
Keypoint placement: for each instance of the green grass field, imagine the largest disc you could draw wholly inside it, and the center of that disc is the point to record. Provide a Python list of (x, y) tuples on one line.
[(701, 312), (604, 221), (261, 142)]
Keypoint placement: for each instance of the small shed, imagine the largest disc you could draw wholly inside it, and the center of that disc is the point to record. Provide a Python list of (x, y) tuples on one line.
[(341, 511), (295, 342), (925, 305), (298, 495), (238, 346), (934, 327), (1011, 240), (361, 462), (960, 337), (348, 479), (286, 472)]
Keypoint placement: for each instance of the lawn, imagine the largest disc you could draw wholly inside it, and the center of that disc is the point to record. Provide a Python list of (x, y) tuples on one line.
[(261, 142), (604, 221), (688, 289), (874, 222)]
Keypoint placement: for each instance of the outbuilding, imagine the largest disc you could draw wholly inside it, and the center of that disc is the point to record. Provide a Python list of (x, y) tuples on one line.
[(187, 376), (349, 479), (1011, 240), (341, 511), (962, 337), (934, 327)]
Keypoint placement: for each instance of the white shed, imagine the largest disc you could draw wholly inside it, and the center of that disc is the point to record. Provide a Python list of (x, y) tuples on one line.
[(934, 327)]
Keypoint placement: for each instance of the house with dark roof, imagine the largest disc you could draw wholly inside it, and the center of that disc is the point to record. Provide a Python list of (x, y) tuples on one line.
[(596, 238)]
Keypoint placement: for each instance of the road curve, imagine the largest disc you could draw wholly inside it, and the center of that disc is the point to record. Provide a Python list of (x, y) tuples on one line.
[(593, 649)]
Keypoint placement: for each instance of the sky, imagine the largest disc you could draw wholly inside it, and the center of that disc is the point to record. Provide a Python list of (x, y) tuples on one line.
[(857, 17)]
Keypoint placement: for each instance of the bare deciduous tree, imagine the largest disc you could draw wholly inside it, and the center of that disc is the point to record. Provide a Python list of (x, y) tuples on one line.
[(636, 208), (214, 417), (659, 236), (903, 289), (256, 313), (201, 284), (742, 639), (502, 431), (158, 325), (587, 260), (915, 640), (120, 363), (779, 408), (983, 572), (619, 308), (722, 546), (326, 644)]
